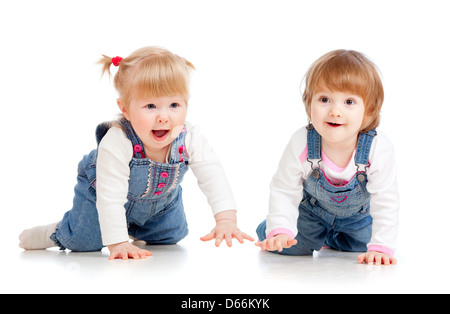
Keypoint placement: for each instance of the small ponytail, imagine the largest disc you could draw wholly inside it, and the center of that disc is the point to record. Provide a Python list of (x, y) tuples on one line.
[(106, 62)]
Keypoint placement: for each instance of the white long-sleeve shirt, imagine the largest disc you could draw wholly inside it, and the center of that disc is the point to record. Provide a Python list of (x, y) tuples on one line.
[(286, 190), (115, 152)]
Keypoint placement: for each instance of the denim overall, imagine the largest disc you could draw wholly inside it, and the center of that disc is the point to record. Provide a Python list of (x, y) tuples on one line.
[(332, 215), (154, 208)]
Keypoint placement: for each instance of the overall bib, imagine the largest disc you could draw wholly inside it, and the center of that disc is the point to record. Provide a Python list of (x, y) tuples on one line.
[(337, 216), (154, 208)]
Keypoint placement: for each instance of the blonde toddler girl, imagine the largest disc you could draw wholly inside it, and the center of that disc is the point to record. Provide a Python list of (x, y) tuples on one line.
[(129, 187)]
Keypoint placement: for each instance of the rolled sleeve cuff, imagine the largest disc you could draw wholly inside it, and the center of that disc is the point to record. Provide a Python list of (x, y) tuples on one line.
[(380, 249), (280, 231)]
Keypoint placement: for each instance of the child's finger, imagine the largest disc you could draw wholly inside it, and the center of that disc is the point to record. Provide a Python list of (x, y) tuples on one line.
[(369, 258), (135, 255), (125, 255), (228, 239), (292, 242), (148, 253), (239, 237), (219, 238), (247, 237), (218, 241), (279, 246), (142, 255), (208, 237), (386, 260), (112, 256), (378, 259), (361, 258), (262, 244)]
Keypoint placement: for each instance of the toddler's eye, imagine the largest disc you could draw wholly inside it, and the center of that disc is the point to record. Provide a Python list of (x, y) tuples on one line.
[(150, 106), (174, 105), (349, 102), (324, 99)]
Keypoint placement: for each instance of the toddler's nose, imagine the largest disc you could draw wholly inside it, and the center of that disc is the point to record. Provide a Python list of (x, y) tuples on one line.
[(337, 115), (335, 112), (163, 117), (163, 120)]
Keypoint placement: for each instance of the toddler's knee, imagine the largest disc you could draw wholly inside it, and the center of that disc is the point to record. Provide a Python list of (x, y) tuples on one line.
[(85, 248), (168, 239), (77, 245)]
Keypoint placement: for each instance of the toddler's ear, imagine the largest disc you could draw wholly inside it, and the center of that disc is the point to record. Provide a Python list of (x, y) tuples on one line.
[(122, 108)]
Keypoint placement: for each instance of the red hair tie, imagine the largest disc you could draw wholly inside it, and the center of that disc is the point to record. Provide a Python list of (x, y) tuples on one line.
[(116, 61)]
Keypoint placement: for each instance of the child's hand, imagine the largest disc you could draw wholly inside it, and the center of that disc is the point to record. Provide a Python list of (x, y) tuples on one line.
[(377, 257), (124, 250), (226, 228), (278, 242)]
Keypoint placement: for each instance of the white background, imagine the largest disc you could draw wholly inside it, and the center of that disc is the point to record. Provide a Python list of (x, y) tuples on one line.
[(250, 58)]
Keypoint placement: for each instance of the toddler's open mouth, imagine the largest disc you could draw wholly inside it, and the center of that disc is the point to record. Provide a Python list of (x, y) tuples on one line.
[(334, 125), (160, 135)]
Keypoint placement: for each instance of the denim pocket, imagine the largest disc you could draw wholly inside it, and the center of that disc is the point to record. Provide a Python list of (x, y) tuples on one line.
[(138, 212), (171, 202)]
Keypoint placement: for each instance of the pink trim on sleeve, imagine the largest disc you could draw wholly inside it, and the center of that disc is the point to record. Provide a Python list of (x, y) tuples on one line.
[(381, 249), (279, 231)]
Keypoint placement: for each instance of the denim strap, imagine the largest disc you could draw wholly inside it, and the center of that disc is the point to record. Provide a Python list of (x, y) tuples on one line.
[(133, 137), (178, 151), (314, 143), (363, 148)]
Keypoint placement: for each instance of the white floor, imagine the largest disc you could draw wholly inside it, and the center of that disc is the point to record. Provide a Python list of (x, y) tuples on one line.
[(196, 267), (193, 266)]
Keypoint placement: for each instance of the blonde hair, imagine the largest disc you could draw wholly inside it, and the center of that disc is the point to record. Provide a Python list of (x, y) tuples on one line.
[(150, 72), (351, 71)]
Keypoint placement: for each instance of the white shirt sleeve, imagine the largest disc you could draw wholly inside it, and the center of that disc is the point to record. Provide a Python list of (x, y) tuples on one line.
[(385, 201), (113, 172), (286, 189), (208, 170)]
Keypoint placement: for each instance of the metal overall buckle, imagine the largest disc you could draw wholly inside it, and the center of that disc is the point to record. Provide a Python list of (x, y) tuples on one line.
[(315, 170)]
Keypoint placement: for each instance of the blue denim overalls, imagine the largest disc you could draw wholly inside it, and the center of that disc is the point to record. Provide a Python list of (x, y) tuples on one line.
[(154, 208), (331, 215)]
